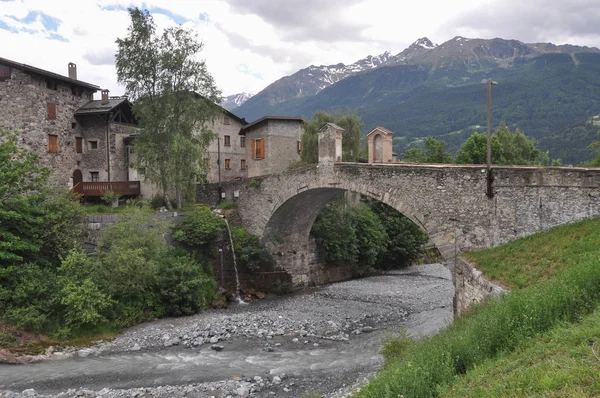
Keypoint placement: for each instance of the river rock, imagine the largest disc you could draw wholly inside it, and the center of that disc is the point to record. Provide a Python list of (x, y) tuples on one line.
[(217, 347)]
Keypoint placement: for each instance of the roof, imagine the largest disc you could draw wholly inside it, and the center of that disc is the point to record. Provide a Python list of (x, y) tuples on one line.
[(233, 115), (381, 130), (333, 125), (46, 73), (264, 119), (96, 107)]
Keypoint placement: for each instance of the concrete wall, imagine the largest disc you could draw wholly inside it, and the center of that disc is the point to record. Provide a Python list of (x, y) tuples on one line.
[(471, 286), (24, 102)]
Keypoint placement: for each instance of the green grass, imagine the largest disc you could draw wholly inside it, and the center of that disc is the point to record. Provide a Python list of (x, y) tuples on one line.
[(127, 209), (539, 257), (228, 204), (497, 328), (565, 362)]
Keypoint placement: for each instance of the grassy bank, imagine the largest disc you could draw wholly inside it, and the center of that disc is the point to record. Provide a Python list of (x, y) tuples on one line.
[(496, 329)]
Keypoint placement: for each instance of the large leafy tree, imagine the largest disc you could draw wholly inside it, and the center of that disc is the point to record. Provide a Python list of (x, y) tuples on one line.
[(433, 151), (349, 121), (174, 100)]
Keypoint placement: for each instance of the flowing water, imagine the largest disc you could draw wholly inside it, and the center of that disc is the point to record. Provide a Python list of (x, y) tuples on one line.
[(237, 277)]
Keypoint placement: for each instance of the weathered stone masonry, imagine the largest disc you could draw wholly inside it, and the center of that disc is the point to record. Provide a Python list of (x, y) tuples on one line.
[(448, 202)]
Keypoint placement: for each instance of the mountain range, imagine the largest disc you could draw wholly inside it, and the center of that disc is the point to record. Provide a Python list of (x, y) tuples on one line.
[(233, 101), (551, 92)]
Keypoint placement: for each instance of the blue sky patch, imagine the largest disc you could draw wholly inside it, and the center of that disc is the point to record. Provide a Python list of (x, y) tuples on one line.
[(50, 23), (243, 68), (203, 17), (180, 19), (56, 36), (5, 26), (113, 8)]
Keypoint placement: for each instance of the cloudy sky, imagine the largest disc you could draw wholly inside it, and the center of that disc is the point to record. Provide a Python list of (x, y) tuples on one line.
[(248, 44)]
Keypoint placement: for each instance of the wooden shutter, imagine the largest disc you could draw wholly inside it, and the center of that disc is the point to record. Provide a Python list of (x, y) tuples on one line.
[(52, 110), (261, 148), (78, 144), (52, 143), (253, 149)]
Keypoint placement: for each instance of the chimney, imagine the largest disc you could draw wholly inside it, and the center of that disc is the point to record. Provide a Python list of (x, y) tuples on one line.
[(104, 97), (72, 71)]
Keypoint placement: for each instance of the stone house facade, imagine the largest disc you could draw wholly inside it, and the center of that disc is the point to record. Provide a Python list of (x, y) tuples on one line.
[(227, 156), (89, 142), (272, 144)]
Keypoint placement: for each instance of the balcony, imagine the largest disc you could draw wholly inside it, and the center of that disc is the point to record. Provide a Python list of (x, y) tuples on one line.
[(97, 189)]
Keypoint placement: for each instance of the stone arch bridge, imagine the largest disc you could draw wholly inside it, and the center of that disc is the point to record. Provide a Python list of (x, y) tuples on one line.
[(449, 202)]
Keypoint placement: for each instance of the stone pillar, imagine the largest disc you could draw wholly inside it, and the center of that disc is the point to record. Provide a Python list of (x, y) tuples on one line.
[(330, 143), (379, 143)]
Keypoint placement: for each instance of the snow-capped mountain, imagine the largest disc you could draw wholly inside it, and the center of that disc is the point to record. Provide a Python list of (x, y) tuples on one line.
[(233, 101), (311, 80)]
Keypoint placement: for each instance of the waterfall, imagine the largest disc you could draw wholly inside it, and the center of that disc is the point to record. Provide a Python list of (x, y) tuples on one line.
[(237, 278)]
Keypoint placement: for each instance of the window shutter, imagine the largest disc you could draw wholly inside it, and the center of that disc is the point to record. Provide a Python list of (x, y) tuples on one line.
[(262, 148), (253, 149), (299, 146), (78, 144), (52, 110), (52, 143)]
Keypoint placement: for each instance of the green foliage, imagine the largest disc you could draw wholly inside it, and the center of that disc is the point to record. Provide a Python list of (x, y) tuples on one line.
[(495, 327), (182, 286), (517, 148), (228, 204), (174, 98), (335, 235), (371, 237), (433, 152), (84, 304), (248, 250), (349, 121), (405, 239), (197, 228), (474, 150), (110, 197)]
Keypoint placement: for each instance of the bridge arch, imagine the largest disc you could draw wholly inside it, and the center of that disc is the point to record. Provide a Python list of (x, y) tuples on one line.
[(295, 204)]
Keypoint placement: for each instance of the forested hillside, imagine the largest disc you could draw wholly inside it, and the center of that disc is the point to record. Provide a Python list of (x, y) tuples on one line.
[(552, 97)]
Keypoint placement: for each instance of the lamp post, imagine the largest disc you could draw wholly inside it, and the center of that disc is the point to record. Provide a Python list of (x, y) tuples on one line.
[(489, 83)]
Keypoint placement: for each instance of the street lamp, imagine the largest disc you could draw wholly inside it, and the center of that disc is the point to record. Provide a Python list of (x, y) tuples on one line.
[(489, 83)]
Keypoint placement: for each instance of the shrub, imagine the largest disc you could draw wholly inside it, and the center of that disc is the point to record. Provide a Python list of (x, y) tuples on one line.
[(248, 250), (182, 286), (197, 228), (228, 204), (110, 197), (84, 304)]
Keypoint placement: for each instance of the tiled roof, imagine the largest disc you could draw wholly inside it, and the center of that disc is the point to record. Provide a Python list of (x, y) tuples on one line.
[(381, 130), (97, 107), (263, 119)]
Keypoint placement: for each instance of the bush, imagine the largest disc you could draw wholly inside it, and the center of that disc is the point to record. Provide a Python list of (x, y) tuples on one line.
[(182, 286), (228, 204), (248, 250), (197, 228)]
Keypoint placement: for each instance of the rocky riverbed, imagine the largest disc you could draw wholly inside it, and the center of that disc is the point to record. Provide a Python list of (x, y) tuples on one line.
[(322, 340)]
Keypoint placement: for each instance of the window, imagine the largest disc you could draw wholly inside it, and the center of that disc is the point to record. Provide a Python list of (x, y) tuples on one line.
[(243, 164), (299, 146), (243, 142), (73, 125), (78, 144), (227, 140), (227, 164), (93, 145), (4, 72), (226, 120), (94, 176), (258, 149), (51, 84), (51, 110), (53, 143)]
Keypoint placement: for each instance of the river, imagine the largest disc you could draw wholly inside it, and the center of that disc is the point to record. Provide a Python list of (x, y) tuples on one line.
[(323, 340)]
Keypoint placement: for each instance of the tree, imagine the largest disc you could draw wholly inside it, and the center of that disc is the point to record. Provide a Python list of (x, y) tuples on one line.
[(174, 98), (517, 148), (434, 152), (474, 150), (349, 121)]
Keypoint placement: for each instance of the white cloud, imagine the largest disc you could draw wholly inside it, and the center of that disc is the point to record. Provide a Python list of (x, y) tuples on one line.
[(273, 40)]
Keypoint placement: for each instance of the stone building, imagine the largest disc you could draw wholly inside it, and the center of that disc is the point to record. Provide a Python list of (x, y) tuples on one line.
[(272, 144), (227, 154), (379, 141)]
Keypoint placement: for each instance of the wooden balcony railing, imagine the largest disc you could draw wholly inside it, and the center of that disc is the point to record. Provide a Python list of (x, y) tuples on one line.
[(128, 188)]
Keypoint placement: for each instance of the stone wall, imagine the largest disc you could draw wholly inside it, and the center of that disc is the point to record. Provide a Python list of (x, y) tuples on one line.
[(471, 286), (24, 101)]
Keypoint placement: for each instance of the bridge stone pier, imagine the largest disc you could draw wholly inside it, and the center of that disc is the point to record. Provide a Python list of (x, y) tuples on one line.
[(448, 202)]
